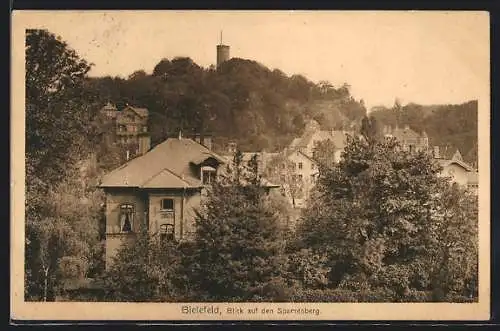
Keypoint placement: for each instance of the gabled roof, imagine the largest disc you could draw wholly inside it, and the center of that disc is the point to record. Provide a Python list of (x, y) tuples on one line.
[(289, 152), (445, 163), (167, 165), (167, 179), (405, 133), (449, 153), (142, 112)]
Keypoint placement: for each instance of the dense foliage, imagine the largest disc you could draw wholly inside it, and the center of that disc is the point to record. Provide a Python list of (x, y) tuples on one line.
[(63, 215), (384, 219)]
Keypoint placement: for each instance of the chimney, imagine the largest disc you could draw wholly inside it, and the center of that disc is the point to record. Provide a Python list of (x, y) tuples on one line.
[(180, 134), (436, 152), (128, 154), (407, 127)]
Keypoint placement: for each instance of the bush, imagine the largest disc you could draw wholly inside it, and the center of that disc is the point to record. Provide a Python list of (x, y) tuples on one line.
[(328, 295), (309, 269)]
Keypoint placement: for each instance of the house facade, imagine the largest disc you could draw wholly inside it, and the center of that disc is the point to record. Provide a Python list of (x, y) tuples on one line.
[(453, 166), (297, 175), (313, 135), (131, 127), (160, 190)]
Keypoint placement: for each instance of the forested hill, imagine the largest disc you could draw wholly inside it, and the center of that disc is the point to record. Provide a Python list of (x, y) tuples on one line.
[(446, 125), (242, 100)]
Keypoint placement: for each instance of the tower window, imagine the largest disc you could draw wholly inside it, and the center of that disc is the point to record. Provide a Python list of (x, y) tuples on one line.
[(300, 165)]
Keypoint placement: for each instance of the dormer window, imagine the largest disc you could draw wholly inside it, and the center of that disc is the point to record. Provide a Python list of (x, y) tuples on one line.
[(207, 175)]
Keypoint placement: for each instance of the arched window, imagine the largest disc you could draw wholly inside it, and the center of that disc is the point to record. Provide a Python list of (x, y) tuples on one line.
[(126, 217), (167, 232)]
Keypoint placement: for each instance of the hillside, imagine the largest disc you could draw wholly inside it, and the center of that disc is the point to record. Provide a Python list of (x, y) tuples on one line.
[(243, 100), (262, 108)]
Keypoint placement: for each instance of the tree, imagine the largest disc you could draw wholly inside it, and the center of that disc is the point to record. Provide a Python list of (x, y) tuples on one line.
[(55, 115), (369, 129), (236, 250), (282, 170), (57, 135), (68, 230), (146, 268), (324, 153), (378, 215)]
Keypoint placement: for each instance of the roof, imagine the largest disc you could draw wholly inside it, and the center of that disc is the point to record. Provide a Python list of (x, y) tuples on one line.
[(462, 164), (143, 112), (292, 151), (338, 138), (167, 165), (449, 153), (109, 106), (405, 133)]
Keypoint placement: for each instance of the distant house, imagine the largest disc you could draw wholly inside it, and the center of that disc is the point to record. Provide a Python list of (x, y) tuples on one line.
[(160, 189), (409, 139), (454, 167), (131, 127), (313, 135), (297, 175)]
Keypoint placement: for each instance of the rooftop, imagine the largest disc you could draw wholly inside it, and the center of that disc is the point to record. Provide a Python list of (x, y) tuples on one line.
[(167, 165)]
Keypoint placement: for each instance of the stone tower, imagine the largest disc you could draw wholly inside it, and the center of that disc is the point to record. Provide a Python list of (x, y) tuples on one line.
[(222, 52)]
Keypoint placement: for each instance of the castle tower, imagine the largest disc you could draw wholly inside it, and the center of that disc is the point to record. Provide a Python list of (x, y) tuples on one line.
[(222, 52)]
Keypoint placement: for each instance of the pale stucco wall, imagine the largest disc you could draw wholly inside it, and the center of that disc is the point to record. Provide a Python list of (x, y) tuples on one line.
[(147, 207), (114, 236), (183, 211), (457, 173)]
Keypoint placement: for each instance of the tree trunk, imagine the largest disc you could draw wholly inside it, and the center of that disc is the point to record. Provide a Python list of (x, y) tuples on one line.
[(46, 283)]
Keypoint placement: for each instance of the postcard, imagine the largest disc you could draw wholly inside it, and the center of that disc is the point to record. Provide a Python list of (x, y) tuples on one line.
[(250, 165)]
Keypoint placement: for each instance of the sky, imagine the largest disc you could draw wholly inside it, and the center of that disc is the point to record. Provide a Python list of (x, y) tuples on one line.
[(422, 57)]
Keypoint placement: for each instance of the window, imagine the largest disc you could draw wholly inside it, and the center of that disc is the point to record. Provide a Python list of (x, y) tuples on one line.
[(167, 204), (207, 175), (300, 177), (167, 232), (126, 217), (144, 128), (312, 166), (121, 128), (300, 165), (282, 166)]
